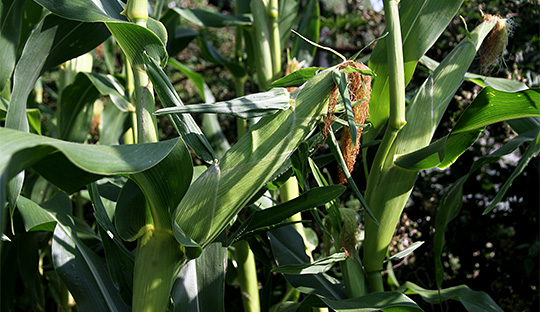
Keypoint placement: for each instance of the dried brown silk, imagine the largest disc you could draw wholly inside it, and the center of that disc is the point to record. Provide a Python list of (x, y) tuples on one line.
[(360, 92)]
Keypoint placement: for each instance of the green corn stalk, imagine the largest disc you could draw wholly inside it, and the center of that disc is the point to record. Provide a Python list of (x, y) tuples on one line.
[(389, 186), (158, 252)]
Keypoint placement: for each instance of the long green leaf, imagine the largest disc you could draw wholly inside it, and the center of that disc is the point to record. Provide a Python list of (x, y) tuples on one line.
[(473, 301), (132, 38), (83, 272), (10, 30), (501, 84), (270, 216), (453, 198), (490, 106), (184, 124), (309, 27), (206, 18), (249, 106), (288, 249), (423, 116), (120, 261), (200, 283), (76, 109), (315, 267), (296, 78)]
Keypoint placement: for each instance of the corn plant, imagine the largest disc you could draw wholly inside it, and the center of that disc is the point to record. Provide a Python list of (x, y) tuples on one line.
[(162, 226)]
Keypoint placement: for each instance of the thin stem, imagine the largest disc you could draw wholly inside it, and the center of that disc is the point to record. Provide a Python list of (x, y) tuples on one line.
[(262, 44), (273, 16)]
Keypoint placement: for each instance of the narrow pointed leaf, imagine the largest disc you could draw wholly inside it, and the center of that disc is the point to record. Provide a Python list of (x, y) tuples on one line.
[(10, 31), (315, 267), (206, 18), (453, 198), (341, 81), (257, 157), (184, 124), (249, 106), (404, 253), (473, 301), (83, 272), (200, 284), (296, 78), (288, 249), (490, 106), (311, 199)]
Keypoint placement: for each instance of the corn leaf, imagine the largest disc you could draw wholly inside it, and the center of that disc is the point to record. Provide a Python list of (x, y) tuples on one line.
[(473, 301), (288, 249), (341, 81), (309, 27), (270, 216), (287, 12), (296, 78), (422, 22), (374, 302), (120, 261), (83, 271), (11, 16), (453, 198), (199, 285), (210, 123), (315, 267), (501, 84), (385, 301), (76, 109), (490, 106), (404, 253), (423, 116), (165, 184), (34, 217), (204, 18), (249, 106), (130, 212), (338, 156), (133, 39), (80, 163), (184, 124)]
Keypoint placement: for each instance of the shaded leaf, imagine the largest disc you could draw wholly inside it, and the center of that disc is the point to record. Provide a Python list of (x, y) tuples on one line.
[(76, 109), (309, 27), (200, 283), (184, 124), (206, 18), (296, 78), (288, 249), (311, 199), (473, 301), (315, 267), (10, 30)]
